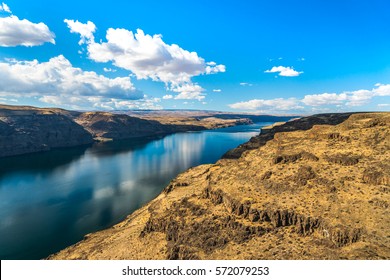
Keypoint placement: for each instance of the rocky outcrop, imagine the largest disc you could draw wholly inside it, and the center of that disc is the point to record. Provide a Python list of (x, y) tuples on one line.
[(303, 123), (320, 193), (294, 157)]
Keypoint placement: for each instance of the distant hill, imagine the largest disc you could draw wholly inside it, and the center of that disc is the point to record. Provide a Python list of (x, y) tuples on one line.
[(27, 129)]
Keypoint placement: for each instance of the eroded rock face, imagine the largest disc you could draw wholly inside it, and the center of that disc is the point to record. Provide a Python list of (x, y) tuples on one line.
[(119, 126), (322, 193), (31, 131)]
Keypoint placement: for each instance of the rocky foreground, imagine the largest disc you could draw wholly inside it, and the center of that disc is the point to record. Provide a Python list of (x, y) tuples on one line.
[(310, 193), (26, 129)]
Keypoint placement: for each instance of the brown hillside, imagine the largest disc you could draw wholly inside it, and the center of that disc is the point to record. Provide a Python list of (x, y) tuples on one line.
[(320, 193)]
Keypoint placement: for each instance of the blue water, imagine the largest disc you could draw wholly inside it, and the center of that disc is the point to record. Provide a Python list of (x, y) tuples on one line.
[(51, 200)]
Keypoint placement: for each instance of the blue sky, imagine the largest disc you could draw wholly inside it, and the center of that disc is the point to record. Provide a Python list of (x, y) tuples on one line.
[(278, 57)]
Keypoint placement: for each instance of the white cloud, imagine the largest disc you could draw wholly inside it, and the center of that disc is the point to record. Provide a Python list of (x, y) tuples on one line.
[(189, 91), (383, 105), (246, 84), (284, 71), (358, 97), (148, 57), (215, 69), (4, 7), (324, 99), (347, 98), (316, 103), (279, 104), (85, 30), (168, 96), (381, 90), (190, 95), (16, 32), (57, 82), (217, 90)]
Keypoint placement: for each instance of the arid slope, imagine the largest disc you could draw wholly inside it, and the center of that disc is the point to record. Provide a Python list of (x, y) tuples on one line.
[(323, 193)]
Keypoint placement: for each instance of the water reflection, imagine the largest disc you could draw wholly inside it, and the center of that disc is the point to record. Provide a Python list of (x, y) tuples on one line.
[(39, 162), (51, 200)]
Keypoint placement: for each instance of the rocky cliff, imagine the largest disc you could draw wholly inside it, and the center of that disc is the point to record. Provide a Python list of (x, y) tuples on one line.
[(28, 129), (309, 193), (104, 125)]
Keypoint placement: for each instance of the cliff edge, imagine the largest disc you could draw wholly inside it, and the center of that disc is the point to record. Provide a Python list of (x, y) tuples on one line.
[(320, 193), (29, 129)]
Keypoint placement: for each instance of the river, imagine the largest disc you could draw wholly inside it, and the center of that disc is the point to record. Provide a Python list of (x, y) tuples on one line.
[(50, 200)]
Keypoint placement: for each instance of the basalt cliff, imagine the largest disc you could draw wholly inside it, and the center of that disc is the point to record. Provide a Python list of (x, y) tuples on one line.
[(25, 129), (313, 188)]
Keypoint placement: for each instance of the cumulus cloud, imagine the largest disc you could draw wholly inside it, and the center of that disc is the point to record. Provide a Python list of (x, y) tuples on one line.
[(324, 99), (215, 69), (189, 91), (22, 32), (381, 90), (279, 104), (148, 57), (358, 97), (284, 71), (4, 7), (85, 30), (57, 82)]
